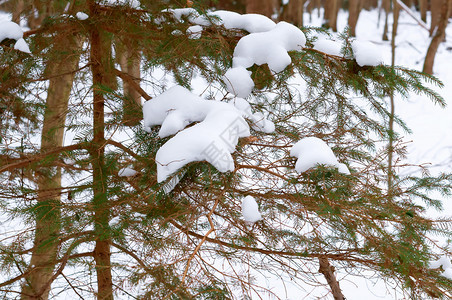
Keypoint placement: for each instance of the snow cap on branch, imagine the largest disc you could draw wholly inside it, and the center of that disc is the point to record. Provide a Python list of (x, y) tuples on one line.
[(238, 81), (250, 210), (127, 172), (269, 47), (11, 30), (366, 53), (445, 263), (312, 151), (213, 139), (328, 46), (250, 22), (81, 16)]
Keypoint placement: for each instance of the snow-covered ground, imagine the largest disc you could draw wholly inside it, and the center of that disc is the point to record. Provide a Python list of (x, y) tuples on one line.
[(431, 138)]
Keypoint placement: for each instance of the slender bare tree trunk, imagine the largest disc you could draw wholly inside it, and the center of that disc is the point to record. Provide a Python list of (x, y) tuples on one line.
[(369, 4), (439, 36), (100, 62), (331, 11), (48, 214), (395, 24), (423, 5), (263, 7), (386, 4), (293, 12), (328, 271), (129, 60), (436, 9), (354, 8)]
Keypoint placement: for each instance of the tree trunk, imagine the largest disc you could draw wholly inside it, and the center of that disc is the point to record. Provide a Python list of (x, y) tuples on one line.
[(395, 25), (369, 4), (354, 8), (17, 10), (263, 7), (129, 60), (436, 9), (331, 11), (328, 271), (293, 12), (386, 4), (45, 249), (446, 8), (99, 68), (423, 5)]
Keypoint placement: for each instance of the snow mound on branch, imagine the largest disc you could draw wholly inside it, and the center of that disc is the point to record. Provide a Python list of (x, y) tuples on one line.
[(328, 46), (176, 108), (21, 45), (194, 32), (81, 16), (250, 210), (258, 120), (11, 30), (366, 54), (213, 139), (312, 151), (230, 20), (191, 14), (250, 22), (238, 81), (445, 263), (127, 172), (269, 47)]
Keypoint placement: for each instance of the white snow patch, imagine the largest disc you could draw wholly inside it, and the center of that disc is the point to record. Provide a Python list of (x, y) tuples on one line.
[(366, 53), (312, 151), (21, 45), (445, 263), (191, 14), (269, 47), (10, 30), (328, 46), (212, 140), (230, 20), (127, 172), (250, 210), (81, 16), (250, 22), (194, 32), (238, 81), (259, 121)]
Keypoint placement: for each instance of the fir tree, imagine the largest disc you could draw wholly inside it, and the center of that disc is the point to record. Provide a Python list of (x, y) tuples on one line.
[(133, 236)]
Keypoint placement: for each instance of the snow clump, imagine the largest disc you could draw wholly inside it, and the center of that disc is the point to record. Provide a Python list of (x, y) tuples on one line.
[(259, 121), (312, 151), (269, 47), (127, 172), (213, 139), (366, 54), (11, 30), (445, 263), (250, 22), (81, 16), (250, 210), (328, 46), (238, 81), (194, 32)]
